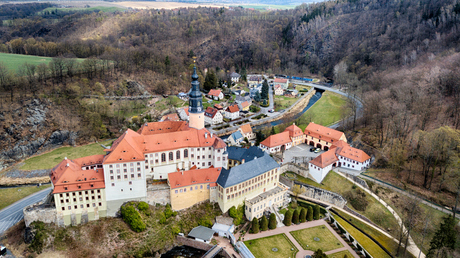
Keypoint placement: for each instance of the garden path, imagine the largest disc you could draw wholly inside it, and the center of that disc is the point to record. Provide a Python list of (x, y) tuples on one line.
[(302, 253)]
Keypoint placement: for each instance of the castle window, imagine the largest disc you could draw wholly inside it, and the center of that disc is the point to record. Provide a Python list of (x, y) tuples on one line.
[(75, 206), (201, 186), (177, 154), (100, 204), (118, 177), (132, 175), (191, 188), (185, 153), (111, 171), (171, 156), (163, 157), (203, 164), (138, 174), (81, 206), (204, 156), (65, 188), (69, 208), (130, 182), (87, 205), (124, 165), (209, 163), (176, 191)]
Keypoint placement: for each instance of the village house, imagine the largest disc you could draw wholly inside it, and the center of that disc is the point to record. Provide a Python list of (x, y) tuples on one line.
[(212, 116), (170, 117), (215, 94), (232, 112), (284, 83), (276, 142), (183, 113), (235, 77), (254, 80), (244, 106), (235, 138), (246, 131), (322, 137), (296, 134), (279, 90)]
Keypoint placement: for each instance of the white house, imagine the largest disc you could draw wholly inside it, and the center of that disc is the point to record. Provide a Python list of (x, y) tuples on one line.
[(216, 94), (279, 90), (202, 234), (321, 165), (183, 113), (232, 112), (284, 83), (212, 116), (276, 142), (223, 226), (235, 77)]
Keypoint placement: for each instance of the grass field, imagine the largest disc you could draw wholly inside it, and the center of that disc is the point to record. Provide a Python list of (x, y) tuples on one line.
[(106, 9), (340, 254), (363, 240), (14, 61), (12, 195), (50, 159), (327, 111), (306, 238), (282, 102), (262, 247), (268, 6)]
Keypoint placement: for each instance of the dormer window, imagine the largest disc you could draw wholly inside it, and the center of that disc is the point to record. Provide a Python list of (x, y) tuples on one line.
[(120, 159), (65, 188), (91, 185), (124, 151)]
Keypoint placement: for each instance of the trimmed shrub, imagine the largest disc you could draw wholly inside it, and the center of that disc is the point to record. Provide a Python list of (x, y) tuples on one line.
[(316, 212), (303, 215), (358, 246), (310, 213), (351, 238), (272, 221), (264, 224), (288, 218), (255, 226), (295, 217), (132, 217)]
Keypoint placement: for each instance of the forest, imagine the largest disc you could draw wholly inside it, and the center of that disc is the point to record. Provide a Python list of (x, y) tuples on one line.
[(399, 57)]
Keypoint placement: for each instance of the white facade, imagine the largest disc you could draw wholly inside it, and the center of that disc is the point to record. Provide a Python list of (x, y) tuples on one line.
[(352, 164), (183, 114), (217, 119), (276, 148), (231, 115), (318, 173), (279, 91)]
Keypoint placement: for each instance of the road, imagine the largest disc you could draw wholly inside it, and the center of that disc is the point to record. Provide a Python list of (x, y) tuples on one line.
[(13, 213)]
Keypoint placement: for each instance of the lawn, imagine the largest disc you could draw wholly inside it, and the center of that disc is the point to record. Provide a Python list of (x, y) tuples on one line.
[(370, 246), (50, 159), (282, 102), (14, 194), (306, 238), (267, 6), (107, 9), (326, 111), (302, 88), (340, 254), (262, 247), (14, 61)]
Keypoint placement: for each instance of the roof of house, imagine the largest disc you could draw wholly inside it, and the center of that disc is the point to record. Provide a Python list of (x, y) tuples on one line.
[(194, 176), (201, 232), (277, 87), (237, 136), (170, 117), (214, 92), (246, 128), (233, 108), (280, 80), (158, 136), (217, 106), (68, 175), (255, 78), (224, 220), (238, 153), (294, 130), (247, 170), (322, 132), (277, 139), (352, 153), (211, 112), (245, 104), (325, 159), (185, 109), (235, 75)]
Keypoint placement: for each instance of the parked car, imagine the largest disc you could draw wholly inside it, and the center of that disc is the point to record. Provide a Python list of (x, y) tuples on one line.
[(312, 149), (317, 150), (271, 110), (2, 250)]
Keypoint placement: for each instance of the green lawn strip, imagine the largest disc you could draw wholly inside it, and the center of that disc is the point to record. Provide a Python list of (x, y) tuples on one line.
[(109, 9), (14, 61), (340, 254), (326, 111), (306, 238), (282, 102), (14, 194), (50, 159), (367, 243), (302, 179), (384, 240), (262, 247), (267, 6)]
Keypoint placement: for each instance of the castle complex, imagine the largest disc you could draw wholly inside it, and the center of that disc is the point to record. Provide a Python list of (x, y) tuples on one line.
[(197, 165)]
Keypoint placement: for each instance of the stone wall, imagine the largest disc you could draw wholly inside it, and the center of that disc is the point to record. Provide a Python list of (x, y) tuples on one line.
[(303, 171), (323, 195), (40, 212), (158, 196)]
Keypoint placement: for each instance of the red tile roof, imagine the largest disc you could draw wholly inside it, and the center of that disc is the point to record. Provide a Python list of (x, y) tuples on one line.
[(246, 128), (215, 93), (277, 139), (68, 175), (218, 106), (170, 117), (155, 137), (210, 112), (245, 104), (323, 133), (352, 153), (194, 176), (280, 80), (233, 108), (325, 159), (294, 130)]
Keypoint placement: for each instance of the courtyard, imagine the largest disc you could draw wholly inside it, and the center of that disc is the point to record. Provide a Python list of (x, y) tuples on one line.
[(298, 241)]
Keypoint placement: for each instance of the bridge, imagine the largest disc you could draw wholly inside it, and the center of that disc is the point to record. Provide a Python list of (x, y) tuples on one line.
[(212, 252)]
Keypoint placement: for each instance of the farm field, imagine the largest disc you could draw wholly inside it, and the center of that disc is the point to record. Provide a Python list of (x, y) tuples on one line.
[(14, 61)]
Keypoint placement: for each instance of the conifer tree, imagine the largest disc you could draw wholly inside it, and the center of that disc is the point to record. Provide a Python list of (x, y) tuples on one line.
[(272, 222), (264, 224), (310, 213), (287, 218), (255, 225), (303, 215), (316, 212), (295, 217), (443, 239)]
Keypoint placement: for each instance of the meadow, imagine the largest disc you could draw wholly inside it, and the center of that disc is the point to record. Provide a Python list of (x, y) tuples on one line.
[(14, 61)]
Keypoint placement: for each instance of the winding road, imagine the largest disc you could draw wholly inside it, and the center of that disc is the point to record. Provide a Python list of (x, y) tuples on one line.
[(13, 213)]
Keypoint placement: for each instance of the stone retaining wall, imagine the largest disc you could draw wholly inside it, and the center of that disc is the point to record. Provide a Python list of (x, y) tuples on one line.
[(39, 212), (158, 196), (323, 195), (303, 171)]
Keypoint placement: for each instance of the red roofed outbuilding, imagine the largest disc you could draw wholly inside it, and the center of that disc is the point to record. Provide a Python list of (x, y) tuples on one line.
[(277, 142)]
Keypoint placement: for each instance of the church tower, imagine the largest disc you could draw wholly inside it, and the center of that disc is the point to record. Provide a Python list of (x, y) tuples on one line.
[(196, 104)]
